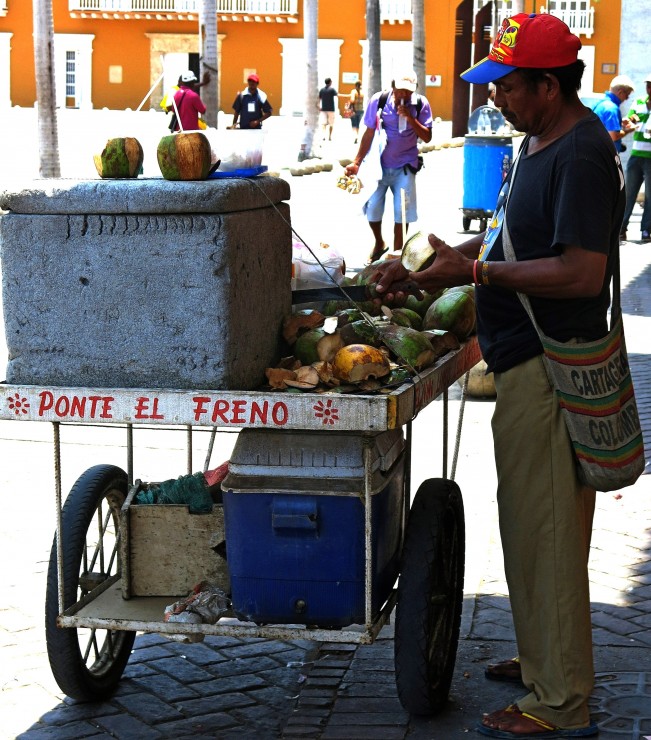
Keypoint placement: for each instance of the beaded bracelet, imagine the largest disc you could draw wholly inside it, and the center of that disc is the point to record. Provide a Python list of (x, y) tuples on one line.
[(484, 273)]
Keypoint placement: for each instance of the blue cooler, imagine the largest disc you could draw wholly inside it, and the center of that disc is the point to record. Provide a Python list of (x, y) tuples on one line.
[(294, 520), (486, 159)]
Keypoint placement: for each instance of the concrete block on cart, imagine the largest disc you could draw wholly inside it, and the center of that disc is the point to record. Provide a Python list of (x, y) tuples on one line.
[(145, 283)]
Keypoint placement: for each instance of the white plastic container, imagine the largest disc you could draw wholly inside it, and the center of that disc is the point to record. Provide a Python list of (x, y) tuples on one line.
[(238, 149)]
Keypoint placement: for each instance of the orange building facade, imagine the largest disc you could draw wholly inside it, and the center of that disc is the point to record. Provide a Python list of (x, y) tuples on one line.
[(110, 53)]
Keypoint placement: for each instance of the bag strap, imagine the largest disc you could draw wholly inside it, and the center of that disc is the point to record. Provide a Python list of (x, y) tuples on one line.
[(510, 256)]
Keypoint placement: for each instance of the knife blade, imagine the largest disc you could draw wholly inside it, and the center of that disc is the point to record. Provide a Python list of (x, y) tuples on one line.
[(357, 293)]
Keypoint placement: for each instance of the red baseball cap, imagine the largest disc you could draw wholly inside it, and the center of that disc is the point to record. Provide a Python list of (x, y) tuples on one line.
[(526, 40), (253, 78)]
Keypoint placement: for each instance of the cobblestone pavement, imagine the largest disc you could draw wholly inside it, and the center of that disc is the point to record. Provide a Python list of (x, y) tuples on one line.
[(228, 688)]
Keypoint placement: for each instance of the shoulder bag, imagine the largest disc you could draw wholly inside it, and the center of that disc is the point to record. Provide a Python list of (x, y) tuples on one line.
[(593, 384)]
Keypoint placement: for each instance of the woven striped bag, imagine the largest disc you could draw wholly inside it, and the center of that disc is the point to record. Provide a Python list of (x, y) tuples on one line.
[(593, 384)]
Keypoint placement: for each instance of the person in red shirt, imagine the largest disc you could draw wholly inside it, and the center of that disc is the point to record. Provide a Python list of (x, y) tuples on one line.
[(188, 102)]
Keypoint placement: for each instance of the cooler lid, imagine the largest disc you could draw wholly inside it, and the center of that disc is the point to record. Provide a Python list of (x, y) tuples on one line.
[(305, 454)]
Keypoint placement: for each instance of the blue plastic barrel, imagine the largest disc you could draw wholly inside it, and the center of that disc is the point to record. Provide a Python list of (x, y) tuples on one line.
[(485, 160)]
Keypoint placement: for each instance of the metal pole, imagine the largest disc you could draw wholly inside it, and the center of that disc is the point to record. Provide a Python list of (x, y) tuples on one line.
[(57, 492), (368, 484), (189, 447), (445, 433)]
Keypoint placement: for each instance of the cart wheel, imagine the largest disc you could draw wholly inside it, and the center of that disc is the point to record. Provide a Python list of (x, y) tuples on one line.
[(87, 663), (483, 224), (430, 597), (465, 222)]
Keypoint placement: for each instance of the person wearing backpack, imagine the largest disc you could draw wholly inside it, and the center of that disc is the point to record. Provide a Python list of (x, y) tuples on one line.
[(404, 117)]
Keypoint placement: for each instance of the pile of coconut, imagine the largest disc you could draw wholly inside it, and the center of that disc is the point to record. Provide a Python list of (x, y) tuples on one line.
[(368, 348)]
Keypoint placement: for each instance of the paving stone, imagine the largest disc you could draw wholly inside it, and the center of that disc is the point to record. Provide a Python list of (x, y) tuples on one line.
[(238, 666), (253, 649), (334, 732), (148, 708), (227, 684), (66, 713), (166, 688), (614, 624), (388, 719), (364, 705), (197, 726), (181, 669), (149, 653), (71, 731), (125, 727), (212, 704)]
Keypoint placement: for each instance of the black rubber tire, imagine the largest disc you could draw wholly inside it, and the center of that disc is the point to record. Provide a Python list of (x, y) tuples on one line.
[(483, 224), (87, 663), (430, 597), (465, 222)]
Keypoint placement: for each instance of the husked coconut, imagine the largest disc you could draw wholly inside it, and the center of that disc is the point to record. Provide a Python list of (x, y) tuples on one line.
[(358, 362)]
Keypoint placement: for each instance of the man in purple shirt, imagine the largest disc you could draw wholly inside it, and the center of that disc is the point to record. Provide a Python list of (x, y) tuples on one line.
[(405, 117)]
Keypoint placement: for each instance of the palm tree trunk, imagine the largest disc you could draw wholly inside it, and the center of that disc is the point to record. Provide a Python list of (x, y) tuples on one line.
[(418, 41), (311, 109), (208, 55), (48, 137), (374, 54)]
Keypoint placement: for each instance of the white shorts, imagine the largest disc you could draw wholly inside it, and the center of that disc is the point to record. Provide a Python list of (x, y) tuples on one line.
[(327, 117)]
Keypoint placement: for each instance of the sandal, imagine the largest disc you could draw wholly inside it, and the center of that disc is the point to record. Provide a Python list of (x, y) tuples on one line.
[(512, 723), (507, 670), (374, 256)]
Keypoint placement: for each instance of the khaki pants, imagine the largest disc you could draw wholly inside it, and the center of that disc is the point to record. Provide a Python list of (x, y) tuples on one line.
[(545, 523)]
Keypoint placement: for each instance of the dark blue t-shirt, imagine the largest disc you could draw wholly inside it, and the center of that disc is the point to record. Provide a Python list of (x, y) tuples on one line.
[(570, 193)]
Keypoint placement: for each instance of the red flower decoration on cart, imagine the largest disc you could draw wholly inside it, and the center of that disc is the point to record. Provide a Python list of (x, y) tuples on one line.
[(18, 404), (326, 411)]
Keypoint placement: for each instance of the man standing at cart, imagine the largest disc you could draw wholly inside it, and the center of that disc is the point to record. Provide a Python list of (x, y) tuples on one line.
[(565, 207)]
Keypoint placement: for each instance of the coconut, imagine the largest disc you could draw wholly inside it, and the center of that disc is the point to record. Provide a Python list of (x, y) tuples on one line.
[(454, 311), (184, 156), (417, 253), (408, 345), (120, 158), (406, 317), (358, 362), (359, 332)]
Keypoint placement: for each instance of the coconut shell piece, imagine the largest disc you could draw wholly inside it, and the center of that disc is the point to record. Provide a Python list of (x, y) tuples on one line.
[(278, 377), (300, 322)]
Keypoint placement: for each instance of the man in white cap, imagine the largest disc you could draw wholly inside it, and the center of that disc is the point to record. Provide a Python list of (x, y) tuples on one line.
[(404, 117), (638, 169), (564, 210), (609, 111), (188, 102)]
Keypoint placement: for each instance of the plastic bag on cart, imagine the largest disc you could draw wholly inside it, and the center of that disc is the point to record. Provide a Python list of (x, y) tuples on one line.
[(308, 273), (205, 605)]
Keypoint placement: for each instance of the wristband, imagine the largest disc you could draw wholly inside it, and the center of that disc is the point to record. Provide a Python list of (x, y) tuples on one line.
[(474, 272)]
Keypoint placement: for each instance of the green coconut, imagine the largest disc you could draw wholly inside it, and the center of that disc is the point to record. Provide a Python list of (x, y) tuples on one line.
[(184, 156), (348, 315), (407, 317), (120, 158), (469, 289), (421, 306), (360, 331), (408, 345), (454, 311)]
